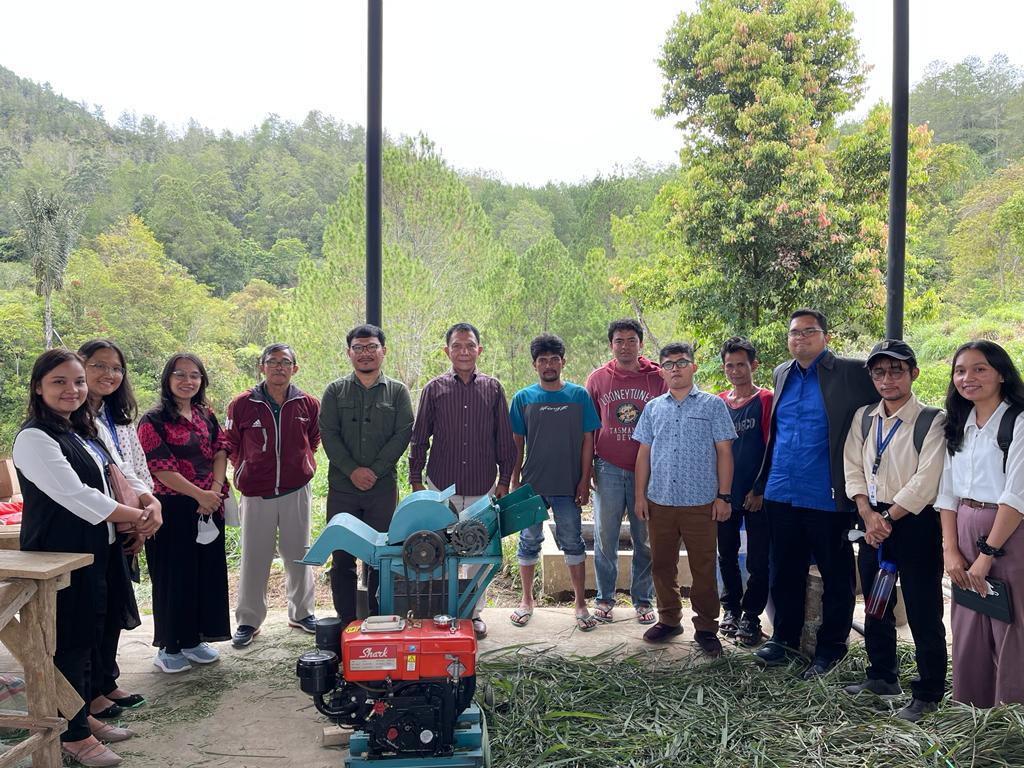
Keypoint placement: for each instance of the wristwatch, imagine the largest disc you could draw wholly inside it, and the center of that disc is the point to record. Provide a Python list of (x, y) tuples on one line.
[(886, 515), (726, 497)]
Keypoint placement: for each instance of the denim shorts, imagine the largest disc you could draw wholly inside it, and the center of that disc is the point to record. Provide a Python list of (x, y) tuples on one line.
[(568, 533)]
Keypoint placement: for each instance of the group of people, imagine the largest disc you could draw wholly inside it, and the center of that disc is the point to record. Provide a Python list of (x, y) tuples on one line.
[(838, 444)]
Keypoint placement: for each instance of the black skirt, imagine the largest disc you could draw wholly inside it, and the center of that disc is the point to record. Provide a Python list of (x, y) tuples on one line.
[(190, 580)]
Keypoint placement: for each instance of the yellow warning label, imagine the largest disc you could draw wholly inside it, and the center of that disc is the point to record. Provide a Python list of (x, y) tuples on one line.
[(353, 628)]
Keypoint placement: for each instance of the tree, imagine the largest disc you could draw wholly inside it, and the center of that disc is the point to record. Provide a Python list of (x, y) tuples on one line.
[(757, 88), (50, 223)]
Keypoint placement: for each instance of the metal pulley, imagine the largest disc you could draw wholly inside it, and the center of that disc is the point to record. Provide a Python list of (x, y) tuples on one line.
[(423, 551), (469, 538)]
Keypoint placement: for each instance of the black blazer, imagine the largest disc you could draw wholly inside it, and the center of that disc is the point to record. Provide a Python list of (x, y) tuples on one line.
[(845, 386), (48, 527)]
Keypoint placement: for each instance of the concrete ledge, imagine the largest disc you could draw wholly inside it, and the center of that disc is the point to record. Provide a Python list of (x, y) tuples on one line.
[(555, 579)]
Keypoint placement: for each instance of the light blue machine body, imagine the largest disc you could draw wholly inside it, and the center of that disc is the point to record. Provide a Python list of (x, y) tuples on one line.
[(430, 511)]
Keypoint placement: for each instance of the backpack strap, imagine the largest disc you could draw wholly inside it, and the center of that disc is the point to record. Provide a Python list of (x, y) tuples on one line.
[(924, 422), (1005, 434), (865, 422)]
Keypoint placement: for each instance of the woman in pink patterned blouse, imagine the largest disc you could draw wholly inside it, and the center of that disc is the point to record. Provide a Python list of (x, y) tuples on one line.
[(186, 454)]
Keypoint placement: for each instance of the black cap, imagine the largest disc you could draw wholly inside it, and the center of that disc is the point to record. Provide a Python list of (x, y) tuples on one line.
[(894, 348)]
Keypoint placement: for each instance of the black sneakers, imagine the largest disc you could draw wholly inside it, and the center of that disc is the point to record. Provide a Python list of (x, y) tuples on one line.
[(662, 633), (880, 688), (244, 635), (916, 709), (709, 643), (307, 624)]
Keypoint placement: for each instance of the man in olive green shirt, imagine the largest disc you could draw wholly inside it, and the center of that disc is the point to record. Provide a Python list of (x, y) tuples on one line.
[(365, 426)]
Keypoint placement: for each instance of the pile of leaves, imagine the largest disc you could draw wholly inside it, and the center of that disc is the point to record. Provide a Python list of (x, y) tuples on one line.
[(648, 711)]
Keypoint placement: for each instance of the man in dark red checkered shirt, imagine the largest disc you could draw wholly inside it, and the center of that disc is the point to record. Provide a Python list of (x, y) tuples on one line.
[(463, 422)]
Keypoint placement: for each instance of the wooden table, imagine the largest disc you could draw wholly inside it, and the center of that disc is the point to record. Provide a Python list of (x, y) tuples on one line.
[(28, 587), (10, 536)]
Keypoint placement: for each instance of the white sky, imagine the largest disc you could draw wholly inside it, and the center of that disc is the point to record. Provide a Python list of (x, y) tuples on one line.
[(531, 90)]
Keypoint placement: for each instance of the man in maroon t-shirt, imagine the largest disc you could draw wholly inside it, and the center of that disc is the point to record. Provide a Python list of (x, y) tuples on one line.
[(620, 389), (750, 407)]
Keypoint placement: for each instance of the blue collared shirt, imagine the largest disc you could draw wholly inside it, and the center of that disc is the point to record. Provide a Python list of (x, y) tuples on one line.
[(682, 435), (800, 472)]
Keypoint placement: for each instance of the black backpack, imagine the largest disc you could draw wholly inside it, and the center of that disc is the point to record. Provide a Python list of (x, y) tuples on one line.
[(921, 426), (1005, 434)]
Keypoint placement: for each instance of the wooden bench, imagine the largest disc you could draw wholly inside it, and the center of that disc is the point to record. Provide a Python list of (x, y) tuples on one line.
[(28, 587)]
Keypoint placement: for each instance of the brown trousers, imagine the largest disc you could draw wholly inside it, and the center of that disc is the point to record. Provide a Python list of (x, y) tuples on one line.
[(698, 533)]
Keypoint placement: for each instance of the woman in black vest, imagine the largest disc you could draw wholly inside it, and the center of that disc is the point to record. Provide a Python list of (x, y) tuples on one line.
[(62, 468)]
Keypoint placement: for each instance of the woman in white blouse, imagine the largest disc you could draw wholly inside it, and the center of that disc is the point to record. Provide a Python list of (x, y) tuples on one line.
[(981, 500), (113, 405), (62, 465)]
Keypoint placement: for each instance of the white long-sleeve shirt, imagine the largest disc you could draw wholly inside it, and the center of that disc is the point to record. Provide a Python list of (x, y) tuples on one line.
[(41, 460), (976, 470)]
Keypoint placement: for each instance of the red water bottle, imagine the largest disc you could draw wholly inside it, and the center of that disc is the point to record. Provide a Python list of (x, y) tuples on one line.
[(881, 590)]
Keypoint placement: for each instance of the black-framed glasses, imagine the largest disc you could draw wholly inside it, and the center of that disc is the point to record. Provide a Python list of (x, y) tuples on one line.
[(110, 370), (893, 373), (682, 365), (360, 348), (183, 375), (805, 333), (286, 364)]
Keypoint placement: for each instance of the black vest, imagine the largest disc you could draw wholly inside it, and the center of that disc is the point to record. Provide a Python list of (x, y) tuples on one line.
[(46, 526)]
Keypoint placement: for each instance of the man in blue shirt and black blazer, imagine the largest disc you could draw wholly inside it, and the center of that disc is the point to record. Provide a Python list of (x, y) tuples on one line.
[(804, 486)]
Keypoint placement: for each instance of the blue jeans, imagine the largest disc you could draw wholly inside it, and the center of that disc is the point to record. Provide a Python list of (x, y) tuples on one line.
[(568, 533), (613, 497)]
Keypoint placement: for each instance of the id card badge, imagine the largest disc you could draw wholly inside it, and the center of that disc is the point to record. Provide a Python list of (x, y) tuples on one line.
[(873, 491)]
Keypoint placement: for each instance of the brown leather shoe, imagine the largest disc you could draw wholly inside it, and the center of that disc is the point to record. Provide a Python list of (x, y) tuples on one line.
[(709, 643), (93, 755), (662, 633)]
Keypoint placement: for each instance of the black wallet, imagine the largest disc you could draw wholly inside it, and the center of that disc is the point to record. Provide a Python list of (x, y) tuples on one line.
[(997, 606)]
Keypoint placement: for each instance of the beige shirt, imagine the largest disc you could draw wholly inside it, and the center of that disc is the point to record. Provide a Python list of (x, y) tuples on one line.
[(904, 478)]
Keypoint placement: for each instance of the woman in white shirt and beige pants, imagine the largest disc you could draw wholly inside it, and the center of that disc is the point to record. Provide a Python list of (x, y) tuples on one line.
[(981, 505)]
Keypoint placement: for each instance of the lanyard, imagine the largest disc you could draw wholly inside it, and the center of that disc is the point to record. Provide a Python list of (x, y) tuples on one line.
[(881, 445), (113, 431)]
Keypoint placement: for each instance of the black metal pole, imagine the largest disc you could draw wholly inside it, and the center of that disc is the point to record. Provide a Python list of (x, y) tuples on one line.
[(898, 169), (374, 159)]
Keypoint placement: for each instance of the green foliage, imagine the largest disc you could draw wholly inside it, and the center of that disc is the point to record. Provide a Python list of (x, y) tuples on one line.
[(974, 104)]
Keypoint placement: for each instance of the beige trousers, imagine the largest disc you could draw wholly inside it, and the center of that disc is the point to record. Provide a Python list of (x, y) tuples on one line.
[(268, 526)]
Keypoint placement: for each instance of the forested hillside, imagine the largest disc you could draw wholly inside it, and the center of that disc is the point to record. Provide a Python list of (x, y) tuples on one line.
[(220, 242)]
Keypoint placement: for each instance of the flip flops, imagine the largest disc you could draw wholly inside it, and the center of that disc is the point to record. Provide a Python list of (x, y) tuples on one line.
[(586, 622), (521, 616), (603, 612), (645, 614)]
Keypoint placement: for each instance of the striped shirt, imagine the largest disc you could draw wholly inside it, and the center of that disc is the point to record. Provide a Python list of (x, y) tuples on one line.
[(467, 431)]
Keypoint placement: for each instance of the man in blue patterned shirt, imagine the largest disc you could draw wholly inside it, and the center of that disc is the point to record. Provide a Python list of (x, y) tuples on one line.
[(683, 479)]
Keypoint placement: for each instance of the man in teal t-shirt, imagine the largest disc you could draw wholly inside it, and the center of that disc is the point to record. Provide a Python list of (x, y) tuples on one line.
[(556, 420)]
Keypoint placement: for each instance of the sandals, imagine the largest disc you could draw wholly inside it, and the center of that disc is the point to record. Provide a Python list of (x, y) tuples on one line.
[(645, 614), (603, 612), (521, 616), (586, 622)]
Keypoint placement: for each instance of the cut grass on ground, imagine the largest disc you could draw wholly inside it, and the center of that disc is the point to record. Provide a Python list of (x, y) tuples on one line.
[(644, 711)]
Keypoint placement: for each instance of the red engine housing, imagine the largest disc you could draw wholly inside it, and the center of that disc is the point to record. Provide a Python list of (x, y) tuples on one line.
[(421, 650)]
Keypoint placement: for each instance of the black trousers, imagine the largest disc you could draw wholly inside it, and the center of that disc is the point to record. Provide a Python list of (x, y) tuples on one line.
[(797, 534), (915, 547), (76, 666), (734, 598), (375, 508)]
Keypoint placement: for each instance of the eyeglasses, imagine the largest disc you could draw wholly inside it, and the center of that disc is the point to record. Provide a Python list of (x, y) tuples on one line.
[(878, 374), (806, 333), (360, 348), (110, 370), (682, 365), (632, 341), (182, 375), (286, 364)]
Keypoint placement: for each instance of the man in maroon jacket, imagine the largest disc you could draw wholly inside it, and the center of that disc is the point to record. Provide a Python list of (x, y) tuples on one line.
[(273, 432)]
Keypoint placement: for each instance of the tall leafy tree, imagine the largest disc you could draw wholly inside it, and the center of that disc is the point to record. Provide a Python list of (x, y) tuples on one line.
[(50, 223), (757, 87)]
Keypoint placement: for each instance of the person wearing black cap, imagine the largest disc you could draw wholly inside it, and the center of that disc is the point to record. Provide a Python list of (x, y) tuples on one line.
[(893, 461)]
